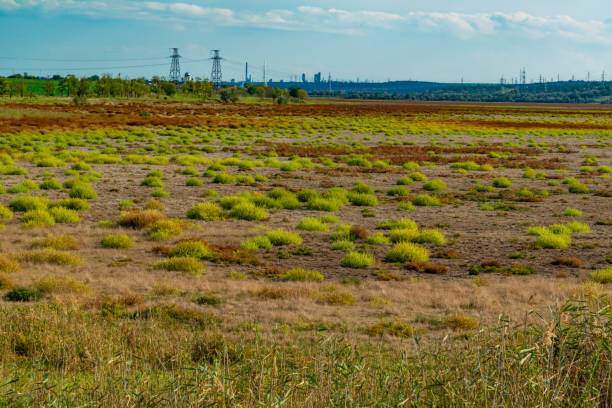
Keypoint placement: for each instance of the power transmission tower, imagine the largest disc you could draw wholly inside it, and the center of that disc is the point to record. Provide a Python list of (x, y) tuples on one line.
[(175, 66), (216, 76), (264, 73), (603, 76)]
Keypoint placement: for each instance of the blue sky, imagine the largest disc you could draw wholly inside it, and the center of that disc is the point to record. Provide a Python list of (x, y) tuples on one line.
[(435, 40)]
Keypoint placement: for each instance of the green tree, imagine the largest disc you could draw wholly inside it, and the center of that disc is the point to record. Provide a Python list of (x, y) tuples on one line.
[(49, 88), (168, 88), (69, 85), (4, 86), (17, 88), (229, 94), (83, 88)]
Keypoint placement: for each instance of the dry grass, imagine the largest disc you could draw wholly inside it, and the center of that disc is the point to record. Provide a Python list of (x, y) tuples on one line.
[(139, 219)]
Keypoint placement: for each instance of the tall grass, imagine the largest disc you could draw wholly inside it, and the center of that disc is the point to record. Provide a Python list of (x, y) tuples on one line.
[(57, 356)]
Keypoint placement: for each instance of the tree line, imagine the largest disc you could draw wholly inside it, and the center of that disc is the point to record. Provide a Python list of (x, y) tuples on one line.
[(561, 92), (108, 86)]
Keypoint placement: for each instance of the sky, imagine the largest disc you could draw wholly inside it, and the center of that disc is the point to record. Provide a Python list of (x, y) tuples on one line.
[(428, 40)]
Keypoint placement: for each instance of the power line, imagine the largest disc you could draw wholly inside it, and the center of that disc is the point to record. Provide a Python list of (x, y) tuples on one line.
[(82, 60)]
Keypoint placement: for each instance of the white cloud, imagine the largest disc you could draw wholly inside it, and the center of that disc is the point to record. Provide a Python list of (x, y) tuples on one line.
[(8, 5), (316, 19)]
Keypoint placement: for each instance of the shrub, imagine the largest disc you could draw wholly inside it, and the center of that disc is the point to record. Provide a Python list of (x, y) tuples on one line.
[(155, 205), (189, 171), (5, 213), (62, 241), (160, 193), (342, 232), (180, 264), (194, 182), (343, 245), (51, 184), (502, 182), (411, 165), (578, 188), (568, 261), (50, 256), (519, 269), (209, 300), (8, 264), (224, 178), (37, 218), (260, 241), (403, 235), (579, 227), (54, 284), (572, 212), (435, 185), (205, 212), (407, 252), (152, 181), (603, 276), (398, 191), (5, 282), (402, 223), (166, 229), (332, 295), (329, 219), (22, 294), (140, 218), (406, 206), (325, 204), (417, 176), (308, 195), (248, 211), (312, 224), (117, 241), (192, 249), (560, 229), (378, 239), (404, 181), (357, 260), (280, 237), (396, 329), (426, 267), (425, 200), (28, 203), (84, 191), (430, 236), (64, 215), (463, 322), (81, 166), (554, 241), (362, 188), (126, 203), (77, 204), (538, 231), (362, 199), (302, 275)]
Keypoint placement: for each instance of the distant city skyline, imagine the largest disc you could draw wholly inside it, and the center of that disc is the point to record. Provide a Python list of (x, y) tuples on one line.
[(441, 40)]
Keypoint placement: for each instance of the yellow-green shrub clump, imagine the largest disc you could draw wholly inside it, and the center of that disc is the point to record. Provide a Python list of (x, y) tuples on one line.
[(117, 241), (407, 252)]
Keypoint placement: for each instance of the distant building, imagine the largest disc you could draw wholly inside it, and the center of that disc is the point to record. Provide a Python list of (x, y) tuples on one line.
[(317, 78), (187, 77), (304, 78)]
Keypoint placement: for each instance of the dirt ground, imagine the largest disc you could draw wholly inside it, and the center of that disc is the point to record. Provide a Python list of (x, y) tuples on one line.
[(476, 235)]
